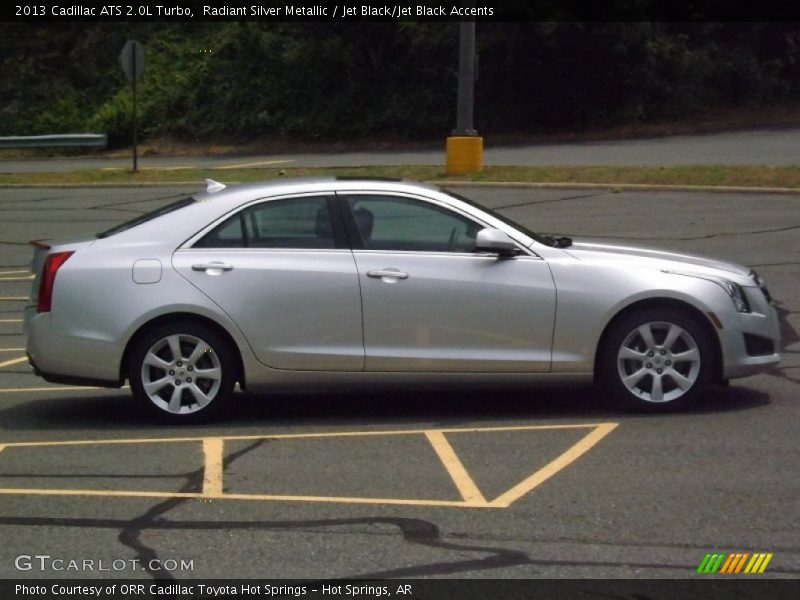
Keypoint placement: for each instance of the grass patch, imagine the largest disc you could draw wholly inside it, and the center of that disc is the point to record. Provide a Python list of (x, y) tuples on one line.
[(744, 176)]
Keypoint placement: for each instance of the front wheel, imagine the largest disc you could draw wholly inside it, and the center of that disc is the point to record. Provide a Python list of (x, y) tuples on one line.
[(182, 372), (656, 359)]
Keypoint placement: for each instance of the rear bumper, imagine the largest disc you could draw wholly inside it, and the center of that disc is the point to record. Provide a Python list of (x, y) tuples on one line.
[(72, 379), (72, 361)]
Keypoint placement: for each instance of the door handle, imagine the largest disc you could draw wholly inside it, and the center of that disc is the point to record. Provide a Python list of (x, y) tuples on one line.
[(393, 273), (212, 265)]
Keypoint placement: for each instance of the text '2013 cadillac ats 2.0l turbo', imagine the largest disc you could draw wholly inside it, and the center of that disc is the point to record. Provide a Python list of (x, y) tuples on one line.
[(313, 284)]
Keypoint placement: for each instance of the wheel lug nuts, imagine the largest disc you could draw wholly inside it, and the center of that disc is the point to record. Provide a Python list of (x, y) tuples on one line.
[(650, 353), (190, 368), (659, 371), (663, 352), (177, 382), (188, 380), (649, 365), (180, 364), (172, 372), (669, 362)]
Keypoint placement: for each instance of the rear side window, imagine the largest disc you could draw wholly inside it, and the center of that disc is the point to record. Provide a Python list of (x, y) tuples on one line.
[(295, 223), (147, 217)]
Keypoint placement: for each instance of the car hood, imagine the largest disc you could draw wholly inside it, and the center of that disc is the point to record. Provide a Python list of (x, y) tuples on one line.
[(665, 260)]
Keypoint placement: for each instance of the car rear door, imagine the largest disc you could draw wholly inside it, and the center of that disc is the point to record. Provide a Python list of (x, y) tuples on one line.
[(432, 304), (282, 270)]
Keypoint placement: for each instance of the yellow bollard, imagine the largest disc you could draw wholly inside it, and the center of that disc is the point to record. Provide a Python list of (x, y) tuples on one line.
[(464, 154)]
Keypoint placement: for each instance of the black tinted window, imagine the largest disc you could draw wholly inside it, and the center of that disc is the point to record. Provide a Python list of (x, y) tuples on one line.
[(395, 223), (147, 217), (295, 223)]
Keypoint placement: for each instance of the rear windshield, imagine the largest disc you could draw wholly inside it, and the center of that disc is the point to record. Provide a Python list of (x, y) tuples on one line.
[(147, 217)]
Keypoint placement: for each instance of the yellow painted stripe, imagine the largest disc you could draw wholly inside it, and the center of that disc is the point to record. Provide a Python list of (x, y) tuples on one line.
[(759, 559), (12, 349), (600, 429), (269, 497), (727, 563), (22, 272), (10, 320), (264, 163), (46, 389), (455, 468), (17, 278), (13, 361), (12, 298), (754, 560), (576, 451), (212, 479), (765, 563)]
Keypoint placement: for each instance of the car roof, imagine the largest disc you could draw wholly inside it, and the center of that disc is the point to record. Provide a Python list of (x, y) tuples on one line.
[(275, 187)]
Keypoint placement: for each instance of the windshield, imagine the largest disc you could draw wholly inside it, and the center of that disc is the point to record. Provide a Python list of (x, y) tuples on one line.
[(147, 217), (542, 239)]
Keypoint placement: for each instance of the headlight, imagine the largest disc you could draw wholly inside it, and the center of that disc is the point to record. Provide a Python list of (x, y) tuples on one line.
[(761, 285), (737, 295)]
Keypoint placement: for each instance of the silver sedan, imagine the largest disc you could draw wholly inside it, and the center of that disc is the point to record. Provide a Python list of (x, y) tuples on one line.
[(311, 284)]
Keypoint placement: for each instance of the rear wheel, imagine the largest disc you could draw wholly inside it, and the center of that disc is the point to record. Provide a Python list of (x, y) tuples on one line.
[(656, 359), (182, 372)]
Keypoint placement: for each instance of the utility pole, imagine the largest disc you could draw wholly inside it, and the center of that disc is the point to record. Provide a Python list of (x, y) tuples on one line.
[(465, 146)]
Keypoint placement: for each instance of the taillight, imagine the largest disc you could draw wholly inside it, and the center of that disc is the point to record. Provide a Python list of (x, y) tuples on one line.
[(52, 264)]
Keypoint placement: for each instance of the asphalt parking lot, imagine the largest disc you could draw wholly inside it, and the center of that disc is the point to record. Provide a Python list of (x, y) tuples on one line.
[(496, 483)]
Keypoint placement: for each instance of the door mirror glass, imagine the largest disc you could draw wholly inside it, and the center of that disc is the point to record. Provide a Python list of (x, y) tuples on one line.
[(494, 240)]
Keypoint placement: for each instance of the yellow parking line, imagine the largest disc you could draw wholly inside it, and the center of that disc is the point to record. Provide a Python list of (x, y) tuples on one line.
[(12, 298), (515, 493), (212, 479), (328, 499), (264, 163), (10, 320), (606, 427), (213, 464), (15, 272), (12, 349), (13, 361), (47, 389), (17, 278), (469, 491)]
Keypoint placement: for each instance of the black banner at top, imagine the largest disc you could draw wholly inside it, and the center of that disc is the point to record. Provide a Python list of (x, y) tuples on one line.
[(48, 11)]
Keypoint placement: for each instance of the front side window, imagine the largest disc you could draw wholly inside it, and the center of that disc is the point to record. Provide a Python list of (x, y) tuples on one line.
[(404, 224), (291, 223)]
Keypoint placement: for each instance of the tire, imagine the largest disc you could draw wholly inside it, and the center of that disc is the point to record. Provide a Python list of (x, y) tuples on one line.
[(656, 360), (183, 372)]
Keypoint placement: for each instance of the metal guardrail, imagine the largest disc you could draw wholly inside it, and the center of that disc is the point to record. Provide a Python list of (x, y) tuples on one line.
[(83, 140)]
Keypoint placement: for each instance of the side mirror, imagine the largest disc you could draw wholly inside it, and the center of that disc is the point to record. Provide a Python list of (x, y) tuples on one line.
[(495, 241)]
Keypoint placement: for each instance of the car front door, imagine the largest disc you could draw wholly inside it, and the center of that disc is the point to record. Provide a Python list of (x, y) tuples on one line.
[(281, 269), (431, 303)]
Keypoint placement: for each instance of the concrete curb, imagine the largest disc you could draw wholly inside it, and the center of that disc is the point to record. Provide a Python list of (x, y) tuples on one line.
[(614, 187)]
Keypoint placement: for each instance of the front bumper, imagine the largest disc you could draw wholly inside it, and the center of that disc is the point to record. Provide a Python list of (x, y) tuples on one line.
[(740, 356)]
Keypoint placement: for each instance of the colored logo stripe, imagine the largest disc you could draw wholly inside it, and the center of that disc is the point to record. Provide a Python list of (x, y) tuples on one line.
[(734, 563), (758, 563), (711, 563)]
